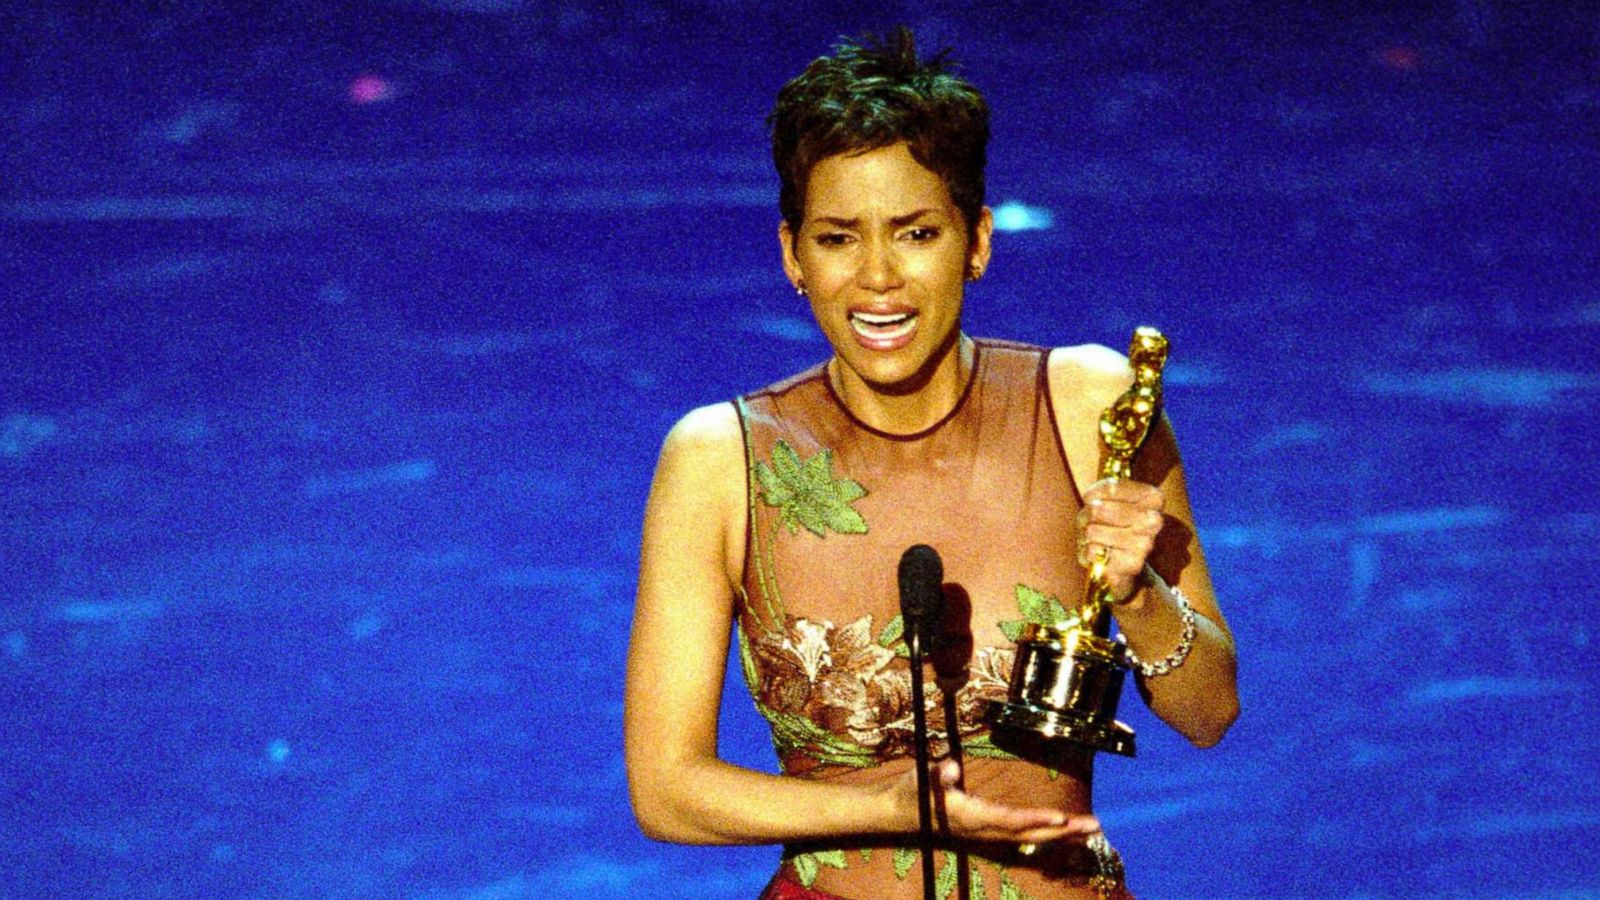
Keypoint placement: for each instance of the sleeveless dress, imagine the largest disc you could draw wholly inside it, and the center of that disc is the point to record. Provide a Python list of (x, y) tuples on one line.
[(833, 505)]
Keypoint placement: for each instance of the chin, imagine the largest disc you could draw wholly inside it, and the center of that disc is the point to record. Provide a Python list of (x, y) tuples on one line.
[(891, 376)]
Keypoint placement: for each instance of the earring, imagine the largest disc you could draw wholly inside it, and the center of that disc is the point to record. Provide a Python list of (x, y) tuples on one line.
[(974, 272), (800, 288)]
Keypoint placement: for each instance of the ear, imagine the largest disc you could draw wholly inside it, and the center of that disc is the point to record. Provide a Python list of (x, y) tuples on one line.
[(978, 253), (791, 265)]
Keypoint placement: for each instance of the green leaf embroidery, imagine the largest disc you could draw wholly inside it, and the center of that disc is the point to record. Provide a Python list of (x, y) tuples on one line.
[(866, 854), (805, 866), (1008, 888), (747, 662), (982, 746), (1036, 607), (977, 879), (786, 464), (833, 858), (807, 495), (792, 731), (892, 631), (904, 859), (773, 491), (944, 883), (766, 583)]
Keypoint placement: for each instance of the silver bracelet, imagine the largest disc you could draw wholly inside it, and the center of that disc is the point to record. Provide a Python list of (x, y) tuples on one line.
[(1176, 657)]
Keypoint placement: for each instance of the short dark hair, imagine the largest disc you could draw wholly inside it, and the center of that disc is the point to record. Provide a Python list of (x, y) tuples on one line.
[(874, 93)]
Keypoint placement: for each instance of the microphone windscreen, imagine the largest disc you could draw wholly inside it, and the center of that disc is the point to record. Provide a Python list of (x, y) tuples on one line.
[(921, 584)]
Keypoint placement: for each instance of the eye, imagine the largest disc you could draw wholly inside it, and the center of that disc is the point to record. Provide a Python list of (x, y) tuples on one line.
[(833, 239), (922, 234)]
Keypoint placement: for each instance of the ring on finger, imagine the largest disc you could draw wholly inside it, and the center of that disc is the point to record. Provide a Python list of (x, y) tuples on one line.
[(1097, 566)]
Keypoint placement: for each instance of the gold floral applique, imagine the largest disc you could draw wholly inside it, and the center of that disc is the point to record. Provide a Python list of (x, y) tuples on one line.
[(832, 696), (824, 689)]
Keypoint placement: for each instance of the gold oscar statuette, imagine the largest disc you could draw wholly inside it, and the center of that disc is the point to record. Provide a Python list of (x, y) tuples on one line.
[(1067, 678)]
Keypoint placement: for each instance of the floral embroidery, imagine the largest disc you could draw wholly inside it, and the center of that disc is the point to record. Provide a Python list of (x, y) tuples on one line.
[(1037, 609), (948, 876), (832, 697), (893, 636), (794, 735), (806, 493), (947, 871), (812, 650), (1105, 874), (806, 865), (834, 680), (1008, 888), (904, 859)]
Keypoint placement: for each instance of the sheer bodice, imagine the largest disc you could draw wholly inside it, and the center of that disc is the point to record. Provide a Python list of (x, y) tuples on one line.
[(833, 505)]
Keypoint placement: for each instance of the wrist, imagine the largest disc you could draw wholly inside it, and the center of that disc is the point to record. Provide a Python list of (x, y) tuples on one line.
[(1145, 597), (1186, 617)]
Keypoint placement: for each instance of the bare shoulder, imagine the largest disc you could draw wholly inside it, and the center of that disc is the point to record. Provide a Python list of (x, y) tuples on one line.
[(1090, 375), (704, 451), (697, 500), (712, 429)]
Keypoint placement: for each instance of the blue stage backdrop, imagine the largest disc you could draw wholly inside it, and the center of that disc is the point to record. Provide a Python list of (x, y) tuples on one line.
[(339, 340)]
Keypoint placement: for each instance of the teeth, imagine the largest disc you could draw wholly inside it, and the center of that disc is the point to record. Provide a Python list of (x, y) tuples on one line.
[(883, 328), (881, 320)]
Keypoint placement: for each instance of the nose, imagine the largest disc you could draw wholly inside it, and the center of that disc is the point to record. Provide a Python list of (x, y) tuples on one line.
[(880, 266)]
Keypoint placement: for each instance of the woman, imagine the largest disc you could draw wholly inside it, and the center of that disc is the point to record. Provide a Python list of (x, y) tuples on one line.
[(786, 512)]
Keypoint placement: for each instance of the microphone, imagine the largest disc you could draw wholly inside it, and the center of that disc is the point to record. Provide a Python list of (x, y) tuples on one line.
[(922, 593), (921, 608)]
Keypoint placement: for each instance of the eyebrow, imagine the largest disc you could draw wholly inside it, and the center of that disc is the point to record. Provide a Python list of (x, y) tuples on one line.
[(896, 222)]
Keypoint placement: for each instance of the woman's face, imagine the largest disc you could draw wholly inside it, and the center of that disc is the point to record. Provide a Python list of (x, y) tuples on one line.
[(883, 254)]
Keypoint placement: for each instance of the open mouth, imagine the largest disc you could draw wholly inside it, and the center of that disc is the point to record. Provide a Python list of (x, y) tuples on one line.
[(883, 327)]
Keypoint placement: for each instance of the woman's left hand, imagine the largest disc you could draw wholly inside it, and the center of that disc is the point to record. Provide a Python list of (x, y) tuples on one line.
[(1120, 518)]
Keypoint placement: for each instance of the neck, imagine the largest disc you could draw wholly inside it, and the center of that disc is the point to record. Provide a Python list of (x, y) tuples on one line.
[(914, 407)]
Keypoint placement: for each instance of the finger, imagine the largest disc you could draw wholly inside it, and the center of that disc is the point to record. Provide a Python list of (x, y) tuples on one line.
[(1135, 544), (949, 774), (1146, 495), (1121, 573), (1125, 490), (1076, 828), (988, 815), (992, 821), (1100, 489), (1122, 515)]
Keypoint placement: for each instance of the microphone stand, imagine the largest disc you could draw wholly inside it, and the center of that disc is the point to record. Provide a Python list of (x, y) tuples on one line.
[(919, 720), (921, 576)]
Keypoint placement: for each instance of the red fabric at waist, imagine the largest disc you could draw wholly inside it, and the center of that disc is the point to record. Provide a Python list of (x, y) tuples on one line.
[(784, 887)]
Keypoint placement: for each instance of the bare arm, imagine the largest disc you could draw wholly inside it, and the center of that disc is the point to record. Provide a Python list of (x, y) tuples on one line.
[(1149, 528), (691, 558)]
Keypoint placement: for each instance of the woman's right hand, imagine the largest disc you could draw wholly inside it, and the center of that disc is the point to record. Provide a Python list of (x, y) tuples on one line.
[(969, 817)]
